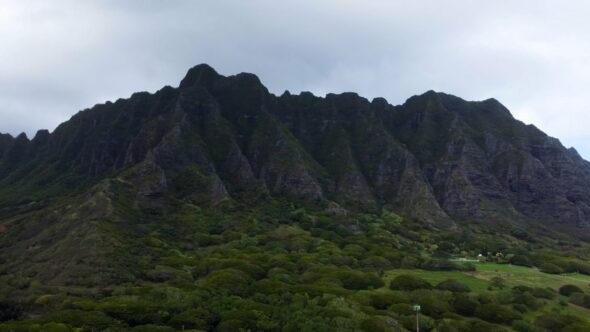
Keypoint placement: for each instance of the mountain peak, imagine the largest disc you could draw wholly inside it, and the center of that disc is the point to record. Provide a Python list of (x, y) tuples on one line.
[(202, 73), (42, 135), (494, 104), (22, 137), (248, 78), (6, 135)]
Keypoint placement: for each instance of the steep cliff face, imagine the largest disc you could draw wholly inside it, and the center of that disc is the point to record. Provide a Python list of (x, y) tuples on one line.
[(5, 141), (437, 157), (483, 164)]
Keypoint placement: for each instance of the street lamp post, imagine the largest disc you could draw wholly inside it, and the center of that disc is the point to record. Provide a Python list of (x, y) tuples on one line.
[(417, 310)]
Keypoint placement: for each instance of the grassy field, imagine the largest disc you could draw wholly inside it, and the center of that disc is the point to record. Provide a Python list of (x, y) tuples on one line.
[(520, 275), (513, 275)]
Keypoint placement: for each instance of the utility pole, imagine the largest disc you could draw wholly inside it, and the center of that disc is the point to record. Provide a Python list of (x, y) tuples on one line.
[(417, 310)]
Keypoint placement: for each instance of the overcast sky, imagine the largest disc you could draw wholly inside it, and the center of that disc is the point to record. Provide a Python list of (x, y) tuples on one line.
[(58, 57)]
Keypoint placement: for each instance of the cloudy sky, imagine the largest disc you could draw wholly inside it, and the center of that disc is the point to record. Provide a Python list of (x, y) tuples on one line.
[(59, 57)]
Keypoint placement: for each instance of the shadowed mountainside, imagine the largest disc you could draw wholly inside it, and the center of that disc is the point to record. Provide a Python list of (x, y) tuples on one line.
[(436, 157)]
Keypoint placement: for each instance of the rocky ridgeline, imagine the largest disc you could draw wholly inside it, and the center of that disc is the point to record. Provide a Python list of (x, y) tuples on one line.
[(436, 157)]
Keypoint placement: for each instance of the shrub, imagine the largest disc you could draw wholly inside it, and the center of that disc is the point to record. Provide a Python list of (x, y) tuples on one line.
[(19, 326), (133, 310), (55, 327), (481, 326), (567, 290), (520, 308), (484, 298), (357, 280), (544, 293), (580, 299), (584, 268), (433, 303), (522, 235), (314, 290), (159, 276), (376, 262), (234, 281), (453, 285), (384, 300), (464, 305), (528, 300), (80, 318), (577, 327), (339, 260), (279, 273), (553, 321), (453, 325), (468, 267), (252, 269), (580, 267), (402, 308), (379, 324), (497, 314), (409, 322), (521, 260), (521, 289), (354, 250), (206, 239), (239, 320), (409, 282), (522, 326), (550, 268), (440, 265), (409, 262), (497, 282), (192, 319), (152, 328)]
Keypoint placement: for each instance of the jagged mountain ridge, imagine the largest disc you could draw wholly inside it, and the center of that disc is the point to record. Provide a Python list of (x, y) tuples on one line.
[(436, 157)]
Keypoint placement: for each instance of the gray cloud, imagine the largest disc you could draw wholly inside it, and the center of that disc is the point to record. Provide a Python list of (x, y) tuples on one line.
[(534, 56)]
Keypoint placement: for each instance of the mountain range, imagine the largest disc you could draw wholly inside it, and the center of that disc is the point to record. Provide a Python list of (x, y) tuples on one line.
[(217, 191), (436, 157)]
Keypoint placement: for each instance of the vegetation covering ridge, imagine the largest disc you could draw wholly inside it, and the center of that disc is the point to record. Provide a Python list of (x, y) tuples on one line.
[(220, 206)]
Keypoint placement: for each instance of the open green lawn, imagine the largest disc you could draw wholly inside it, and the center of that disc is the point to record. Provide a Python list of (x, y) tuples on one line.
[(512, 274), (520, 275)]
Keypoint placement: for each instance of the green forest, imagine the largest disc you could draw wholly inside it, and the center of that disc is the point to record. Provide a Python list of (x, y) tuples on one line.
[(283, 267)]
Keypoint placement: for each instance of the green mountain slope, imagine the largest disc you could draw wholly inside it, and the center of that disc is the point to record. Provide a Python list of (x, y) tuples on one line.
[(218, 205)]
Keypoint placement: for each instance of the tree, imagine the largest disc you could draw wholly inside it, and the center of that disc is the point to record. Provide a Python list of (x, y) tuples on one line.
[(496, 313), (465, 305), (550, 268), (409, 282), (567, 290), (453, 285), (521, 260), (498, 282)]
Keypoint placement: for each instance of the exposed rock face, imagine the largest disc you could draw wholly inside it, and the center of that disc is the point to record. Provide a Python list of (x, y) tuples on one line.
[(5, 141), (436, 157), (487, 165)]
